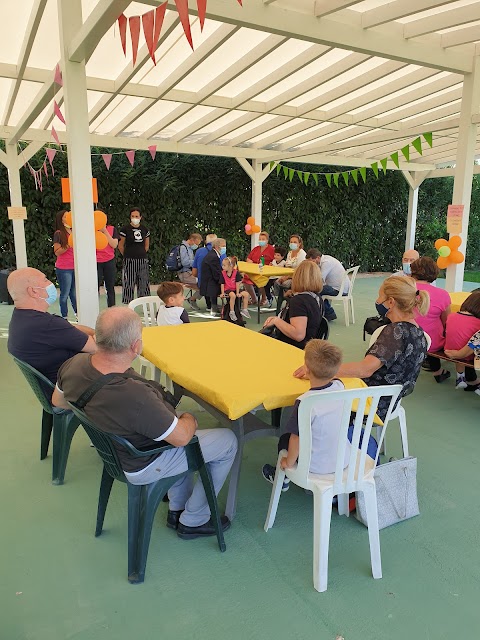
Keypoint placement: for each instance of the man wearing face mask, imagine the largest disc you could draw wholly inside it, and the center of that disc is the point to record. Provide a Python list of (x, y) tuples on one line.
[(43, 340), (185, 274), (212, 273), (408, 257)]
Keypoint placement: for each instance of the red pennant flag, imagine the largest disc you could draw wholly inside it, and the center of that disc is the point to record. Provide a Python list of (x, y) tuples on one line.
[(107, 158), (240, 3), (131, 156), (202, 9), (159, 16), (58, 76), (57, 112), (55, 136), (148, 20), (182, 8), (153, 150), (134, 24), (51, 153), (122, 27)]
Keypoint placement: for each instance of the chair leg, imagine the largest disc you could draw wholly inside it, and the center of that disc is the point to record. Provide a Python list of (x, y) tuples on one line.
[(370, 496), (353, 311), (103, 496), (403, 430), (64, 427), (343, 504), (275, 495), (322, 515), (209, 489), (47, 425), (346, 310), (383, 450)]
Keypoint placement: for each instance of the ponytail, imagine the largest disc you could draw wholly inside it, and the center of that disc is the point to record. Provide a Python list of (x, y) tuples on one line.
[(422, 302)]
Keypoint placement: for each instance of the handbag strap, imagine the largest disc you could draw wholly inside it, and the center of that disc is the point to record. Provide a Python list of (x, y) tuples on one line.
[(100, 382), (405, 471)]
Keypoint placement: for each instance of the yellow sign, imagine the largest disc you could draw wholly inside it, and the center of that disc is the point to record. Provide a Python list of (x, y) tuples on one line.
[(17, 213), (454, 218)]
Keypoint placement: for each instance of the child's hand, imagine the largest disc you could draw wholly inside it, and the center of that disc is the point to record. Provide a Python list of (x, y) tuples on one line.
[(300, 373), (222, 295), (283, 463)]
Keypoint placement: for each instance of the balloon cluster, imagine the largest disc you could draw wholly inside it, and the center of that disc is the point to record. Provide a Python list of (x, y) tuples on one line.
[(100, 220), (448, 252), (251, 227)]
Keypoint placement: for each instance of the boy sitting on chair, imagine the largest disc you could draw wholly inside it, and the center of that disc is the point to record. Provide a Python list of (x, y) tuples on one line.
[(322, 362), (172, 311)]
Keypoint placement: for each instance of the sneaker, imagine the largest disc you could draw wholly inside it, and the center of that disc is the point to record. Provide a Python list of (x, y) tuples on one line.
[(472, 387), (445, 375), (460, 383), (214, 313), (245, 313), (268, 473), (232, 316), (477, 391), (331, 317), (193, 304), (269, 303)]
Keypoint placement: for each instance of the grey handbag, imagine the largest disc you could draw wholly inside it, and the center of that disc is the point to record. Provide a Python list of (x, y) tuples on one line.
[(396, 485)]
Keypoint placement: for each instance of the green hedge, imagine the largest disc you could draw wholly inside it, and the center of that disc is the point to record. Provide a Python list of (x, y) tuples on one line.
[(362, 224)]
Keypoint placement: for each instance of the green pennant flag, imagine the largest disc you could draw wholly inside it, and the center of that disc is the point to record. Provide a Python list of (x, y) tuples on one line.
[(345, 175), (315, 177), (300, 175), (335, 179), (406, 152), (417, 145), (363, 173), (306, 176), (394, 158), (384, 165), (375, 168), (354, 174), (291, 173), (272, 164), (279, 168), (428, 137), (328, 178), (285, 172)]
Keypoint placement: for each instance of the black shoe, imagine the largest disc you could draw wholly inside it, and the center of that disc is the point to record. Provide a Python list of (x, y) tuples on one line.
[(442, 376), (207, 529), (331, 316), (172, 519), (472, 387)]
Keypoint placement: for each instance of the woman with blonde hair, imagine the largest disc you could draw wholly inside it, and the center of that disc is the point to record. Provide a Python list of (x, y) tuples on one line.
[(305, 307), (397, 354)]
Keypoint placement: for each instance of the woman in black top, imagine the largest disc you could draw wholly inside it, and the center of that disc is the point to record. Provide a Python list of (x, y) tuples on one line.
[(305, 308), (134, 244)]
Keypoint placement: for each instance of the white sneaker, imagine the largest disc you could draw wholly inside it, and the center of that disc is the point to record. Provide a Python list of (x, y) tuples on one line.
[(477, 391), (460, 383), (245, 313), (232, 316)]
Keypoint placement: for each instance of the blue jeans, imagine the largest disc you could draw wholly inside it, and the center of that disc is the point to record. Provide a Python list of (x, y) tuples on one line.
[(66, 282)]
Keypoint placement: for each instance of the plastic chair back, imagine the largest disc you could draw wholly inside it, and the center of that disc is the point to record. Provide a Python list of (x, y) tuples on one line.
[(350, 274), (150, 306), (362, 403), (377, 332), (324, 330), (41, 386)]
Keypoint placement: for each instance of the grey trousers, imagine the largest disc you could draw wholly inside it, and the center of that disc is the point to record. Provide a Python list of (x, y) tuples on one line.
[(219, 447)]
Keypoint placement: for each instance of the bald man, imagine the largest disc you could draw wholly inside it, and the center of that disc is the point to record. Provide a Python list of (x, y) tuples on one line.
[(41, 339), (408, 257)]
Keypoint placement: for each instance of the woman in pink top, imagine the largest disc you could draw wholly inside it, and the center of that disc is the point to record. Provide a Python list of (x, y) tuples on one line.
[(64, 265), (460, 327), (425, 271), (106, 267)]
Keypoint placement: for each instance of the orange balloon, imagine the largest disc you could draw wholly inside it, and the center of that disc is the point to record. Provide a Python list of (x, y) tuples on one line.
[(255, 228), (251, 221), (249, 232), (443, 263), (70, 240), (100, 240), (440, 243), (68, 218), (456, 257), (454, 242), (100, 220)]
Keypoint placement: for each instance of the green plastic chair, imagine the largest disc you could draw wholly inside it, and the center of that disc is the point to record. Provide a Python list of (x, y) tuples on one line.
[(64, 424), (143, 500)]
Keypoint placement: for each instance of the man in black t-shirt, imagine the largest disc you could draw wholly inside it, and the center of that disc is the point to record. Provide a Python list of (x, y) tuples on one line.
[(41, 339)]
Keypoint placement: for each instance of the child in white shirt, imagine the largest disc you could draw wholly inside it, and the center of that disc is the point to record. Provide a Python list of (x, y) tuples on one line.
[(278, 261), (172, 311)]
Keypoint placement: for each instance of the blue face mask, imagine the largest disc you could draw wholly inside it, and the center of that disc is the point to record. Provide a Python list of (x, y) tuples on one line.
[(293, 246), (382, 310), (407, 268), (262, 243), (223, 251), (194, 247), (51, 293)]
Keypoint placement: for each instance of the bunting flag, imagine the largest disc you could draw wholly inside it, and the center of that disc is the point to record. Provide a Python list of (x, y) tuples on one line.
[(159, 16), (328, 177), (44, 167), (395, 160), (202, 10), (131, 156), (134, 25), (374, 166), (153, 150), (354, 175), (122, 27), (57, 112), (363, 173), (384, 165), (182, 8), (55, 136), (148, 20), (57, 78), (428, 137), (406, 152), (417, 145), (39, 179), (107, 158), (345, 175), (51, 153)]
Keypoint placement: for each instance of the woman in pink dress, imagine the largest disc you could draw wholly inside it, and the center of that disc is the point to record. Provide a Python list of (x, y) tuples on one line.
[(460, 327), (64, 265), (424, 272)]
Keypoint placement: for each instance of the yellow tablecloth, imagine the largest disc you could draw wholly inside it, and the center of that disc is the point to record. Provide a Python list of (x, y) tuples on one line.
[(231, 368), (260, 279), (458, 298)]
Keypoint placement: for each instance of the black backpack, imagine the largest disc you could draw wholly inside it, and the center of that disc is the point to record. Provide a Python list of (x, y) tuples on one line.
[(174, 261), (372, 324)]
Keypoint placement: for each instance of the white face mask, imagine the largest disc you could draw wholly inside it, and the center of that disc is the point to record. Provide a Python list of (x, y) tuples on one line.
[(135, 221)]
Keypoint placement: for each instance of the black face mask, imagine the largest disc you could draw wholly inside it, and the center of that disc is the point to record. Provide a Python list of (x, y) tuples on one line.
[(382, 310)]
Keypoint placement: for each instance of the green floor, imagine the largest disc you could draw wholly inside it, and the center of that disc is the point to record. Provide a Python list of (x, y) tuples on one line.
[(61, 583)]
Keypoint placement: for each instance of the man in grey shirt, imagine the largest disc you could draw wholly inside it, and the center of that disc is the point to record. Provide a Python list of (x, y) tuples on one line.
[(333, 274)]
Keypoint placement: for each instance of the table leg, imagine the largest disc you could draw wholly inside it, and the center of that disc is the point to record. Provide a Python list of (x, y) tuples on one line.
[(231, 506), (276, 416), (258, 308)]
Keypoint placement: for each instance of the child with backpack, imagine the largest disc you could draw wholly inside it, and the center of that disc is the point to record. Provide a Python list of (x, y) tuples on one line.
[(230, 287)]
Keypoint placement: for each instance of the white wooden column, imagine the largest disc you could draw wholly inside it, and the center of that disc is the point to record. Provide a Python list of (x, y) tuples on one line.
[(462, 186), (79, 164), (414, 180), (13, 167), (257, 173)]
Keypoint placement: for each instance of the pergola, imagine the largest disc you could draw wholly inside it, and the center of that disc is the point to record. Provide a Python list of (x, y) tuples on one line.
[(338, 82)]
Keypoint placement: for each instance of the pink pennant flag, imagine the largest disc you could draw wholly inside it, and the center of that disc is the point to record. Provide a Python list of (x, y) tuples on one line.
[(153, 150), (159, 16), (39, 176), (131, 156), (55, 136), (122, 27), (134, 24), (240, 3), (202, 9), (34, 174), (148, 20), (57, 112), (58, 76), (182, 8), (107, 158), (51, 153), (45, 168)]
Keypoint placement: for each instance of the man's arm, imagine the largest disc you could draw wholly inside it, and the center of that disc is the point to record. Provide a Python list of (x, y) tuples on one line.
[(58, 399), (84, 329), (184, 430)]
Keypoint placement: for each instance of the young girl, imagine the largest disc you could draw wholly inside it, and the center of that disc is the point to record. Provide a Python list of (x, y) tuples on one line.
[(64, 265), (230, 287), (459, 329)]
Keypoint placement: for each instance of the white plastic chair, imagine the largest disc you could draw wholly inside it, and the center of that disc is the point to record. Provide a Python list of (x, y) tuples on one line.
[(150, 306), (399, 411), (347, 299), (357, 476)]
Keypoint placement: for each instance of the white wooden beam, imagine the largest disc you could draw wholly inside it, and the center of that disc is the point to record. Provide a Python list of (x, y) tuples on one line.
[(41, 100), (398, 9), (247, 167), (442, 20), (325, 7), (15, 188), (450, 172), (460, 36), (3, 158)]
